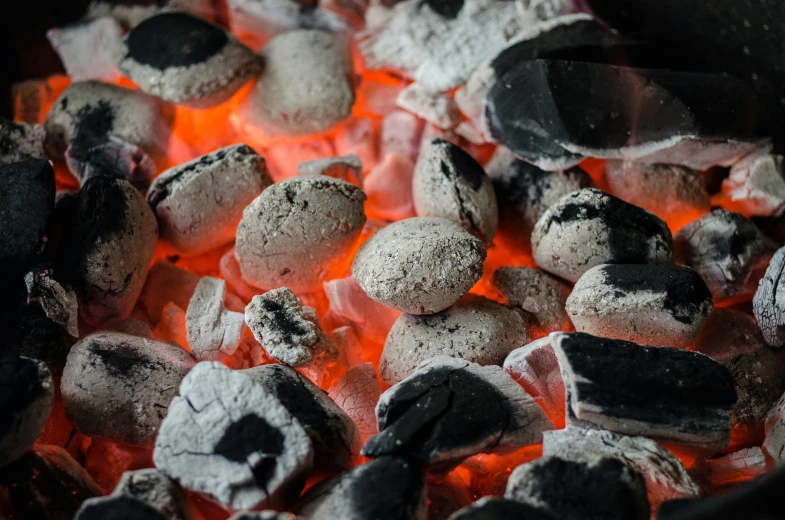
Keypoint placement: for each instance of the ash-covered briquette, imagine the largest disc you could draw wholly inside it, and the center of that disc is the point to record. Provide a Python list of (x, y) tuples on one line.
[(26, 394), (20, 142), (450, 409), (226, 437), (87, 48), (357, 392), (666, 393), (213, 331), (307, 85), (419, 265), (118, 386), (768, 304), (535, 292), (200, 203), (116, 508), (450, 183), (107, 247), (653, 304), (58, 303), (756, 185), (536, 369), (497, 508), (572, 110), (333, 434), (437, 108), (601, 488), (297, 231), (183, 59), (476, 329), (387, 488), (347, 168), (589, 227), (727, 250)]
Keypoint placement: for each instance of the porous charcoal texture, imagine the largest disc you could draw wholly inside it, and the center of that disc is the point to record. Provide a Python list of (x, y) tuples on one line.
[(357, 393), (20, 142), (213, 331), (536, 369), (58, 303), (540, 295), (496, 508), (122, 507), (767, 304), (348, 168)]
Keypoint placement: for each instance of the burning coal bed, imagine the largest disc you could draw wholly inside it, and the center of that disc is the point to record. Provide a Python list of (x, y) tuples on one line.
[(377, 260)]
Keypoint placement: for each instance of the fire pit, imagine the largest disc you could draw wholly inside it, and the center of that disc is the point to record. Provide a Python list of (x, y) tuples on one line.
[(391, 260)]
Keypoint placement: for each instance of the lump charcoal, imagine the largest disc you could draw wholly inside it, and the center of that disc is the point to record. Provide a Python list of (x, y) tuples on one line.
[(58, 303), (226, 437), (213, 331), (536, 369), (118, 386), (669, 394), (20, 142), (87, 48), (419, 417), (756, 185), (766, 305), (535, 292), (28, 332), (419, 265), (297, 231), (475, 329), (357, 391), (438, 108), (739, 466), (347, 168), (774, 444), (619, 233), (497, 508)]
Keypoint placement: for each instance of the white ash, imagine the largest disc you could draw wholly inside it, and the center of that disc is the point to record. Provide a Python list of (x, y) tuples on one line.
[(475, 329), (131, 13), (450, 183), (20, 142), (348, 168), (419, 265), (226, 437), (297, 230), (774, 443), (200, 203), (496, 508), (589, 227), (58, 303), (87, 48), (739, 466), (536, 369), (438, 108), (535, 292), (213, 331), (767, 304), (357, 392), (400, 134), (756, 185)]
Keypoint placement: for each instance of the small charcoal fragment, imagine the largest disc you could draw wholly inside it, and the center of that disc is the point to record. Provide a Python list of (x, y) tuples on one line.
[(497, 508), (421, 417), (476, 329), (346, 168), (357, 393), (774, 444), (590, 227), (116, 508), (536, 369), (213, 331), (438, 108), (199, 204), (767, 304), (538, 294), (87, 48), (154, 488), (20, 142), (59, 304), (226, 437), (756, 185), (739, 466)]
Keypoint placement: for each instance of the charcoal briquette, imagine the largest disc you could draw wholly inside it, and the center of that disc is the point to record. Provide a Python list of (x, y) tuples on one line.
[(535, 292), (347, 168), (87, 47), (154, 488), (357, 391), (28, 332), (213, 331), (58, 303), (536, 369), (20, 142), (767, 303), (497, 508)]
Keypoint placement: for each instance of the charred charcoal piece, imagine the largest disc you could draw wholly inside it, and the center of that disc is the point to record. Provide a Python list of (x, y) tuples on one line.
[(536, 293), (87, 48), (438, 108), (28, 332), (739, 466), (449, 183), (661, 392), (756, 185), (419, 265), (118, 386), (297, 231), (619, 233), (774, 444), (58, 303), (26, 393), (476, 329), (122, 507), (602, 488), (387, 488), (107, 247), (536, 369), (346, 168), (357, 393), (421, 416), (727, 250), (653, 304), (109, 157), (213, 331), (496, 508), (766, 305), (20, 142), (154, 488), (183, 59), (226, 437)]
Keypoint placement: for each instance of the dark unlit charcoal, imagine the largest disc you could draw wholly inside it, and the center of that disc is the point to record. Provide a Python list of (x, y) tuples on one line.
[(576, 109), (87, 48), (26, 394), (347, 168), (619, 233), (774, 444), (536, 293), (449, 183), (739, 466), (419, 265), (107, 247), (496, 508), (186, 60), (476, 329), (727, 250), (387, 488), (662, 304), (661, 392), (199, 204), (298, 231), (357, 393), (756, 185), (768, 304), (450, 409), (536, 369), (118, 386), (111, 508), (28, 332), (438, 108), (226, 437), (58, 303), (213, 331), (20, 142), (602, 488)]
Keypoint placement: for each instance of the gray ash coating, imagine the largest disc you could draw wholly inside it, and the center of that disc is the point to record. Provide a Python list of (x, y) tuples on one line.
[(7, 143), (21, 384), (119, 508), (291, 331), (252, 435), (497, 508), (462, 164), (448, 9)]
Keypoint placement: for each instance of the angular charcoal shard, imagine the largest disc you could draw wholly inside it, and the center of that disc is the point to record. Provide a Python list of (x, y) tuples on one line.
[(438, 108), (58, 303), (451, 409), (756, 185), (109, 508), (213, 331), (602, 488), (575, 109), (20, 142), (496, 508), (619, 233), (357, 393), (536, 369), (183, 59), (348, 168), (653, 304), (226, 437), (387, 488), (767, 304), (118, 386), (661, 392), (476, 329), (540, 295), (449, 183)]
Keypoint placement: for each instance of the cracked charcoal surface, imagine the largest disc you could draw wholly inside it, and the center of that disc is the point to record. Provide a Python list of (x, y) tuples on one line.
[(590, 227), (226, 437), (450, 409), (20, 142), (58, 303), (119, 386), (154, 488), (538, 294), (665, 393), (476, 329), (297, 230), (768, 304), (348, 168), (651, 304), (212, 330), (497, 508), (118, 508), (536, 369), (419, 265)]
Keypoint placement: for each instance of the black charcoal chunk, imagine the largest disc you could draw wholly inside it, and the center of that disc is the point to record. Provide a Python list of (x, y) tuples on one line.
[(118, 508), (28, 332), (58, 303), (768, 304), (387, 488), (20, 142), (155, 489), (496, 508), (450, 409), (755, 185), (661, 392)]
